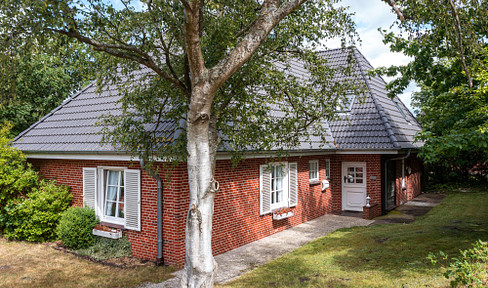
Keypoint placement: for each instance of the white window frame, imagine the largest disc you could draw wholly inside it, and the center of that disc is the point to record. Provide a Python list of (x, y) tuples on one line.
[(101, 196), (313, 167), (286, 191), (327, 169), (345, 108), (402, 112)]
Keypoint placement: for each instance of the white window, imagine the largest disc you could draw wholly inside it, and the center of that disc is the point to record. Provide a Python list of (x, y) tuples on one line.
[(345, 105), (313, 170), (278, 177), (327, 169), (113, 196), (114, 193), (278, 185), (402, 112), (355, 175)]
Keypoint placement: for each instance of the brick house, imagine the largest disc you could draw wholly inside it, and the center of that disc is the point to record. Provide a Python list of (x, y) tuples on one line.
[(370, 152)]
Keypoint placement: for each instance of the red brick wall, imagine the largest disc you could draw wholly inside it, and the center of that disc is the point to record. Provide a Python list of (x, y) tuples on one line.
[(413, 186), (236, 219), (70, 172)]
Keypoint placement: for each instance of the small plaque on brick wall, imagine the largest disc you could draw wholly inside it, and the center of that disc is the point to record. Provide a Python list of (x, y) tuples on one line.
[(372, 177)]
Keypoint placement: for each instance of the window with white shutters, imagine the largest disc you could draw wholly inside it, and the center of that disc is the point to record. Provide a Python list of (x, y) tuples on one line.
[(278, 186), (114, 193)]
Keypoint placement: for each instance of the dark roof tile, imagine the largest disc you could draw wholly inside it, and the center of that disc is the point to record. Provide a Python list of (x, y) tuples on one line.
[(374, 122)]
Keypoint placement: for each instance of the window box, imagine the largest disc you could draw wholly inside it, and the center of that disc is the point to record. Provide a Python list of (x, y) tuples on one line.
[(282, 213), (107, 232)]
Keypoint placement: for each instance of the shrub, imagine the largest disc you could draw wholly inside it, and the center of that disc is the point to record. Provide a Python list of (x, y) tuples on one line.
[(468, 270), (35, 217), (75, 227), (16, 175), (105, 248)]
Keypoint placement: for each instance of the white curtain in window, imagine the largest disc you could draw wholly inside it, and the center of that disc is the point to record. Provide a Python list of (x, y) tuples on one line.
[(111, 197)]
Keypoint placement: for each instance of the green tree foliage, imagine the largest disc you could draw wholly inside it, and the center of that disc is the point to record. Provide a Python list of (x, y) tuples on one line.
[(153, 36), (447, 41), (35, 217), (17, 177), (75, 227), (469, 269), (37, 78), (30, 208), (217, 68)]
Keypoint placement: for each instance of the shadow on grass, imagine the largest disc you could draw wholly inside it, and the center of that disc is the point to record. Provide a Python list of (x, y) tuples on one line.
[(392, 255)]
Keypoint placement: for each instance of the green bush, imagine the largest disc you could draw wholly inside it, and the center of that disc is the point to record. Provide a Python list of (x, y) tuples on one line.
[(105, 248), (75, 227), (16, 175), (470, 269), (35, 217)]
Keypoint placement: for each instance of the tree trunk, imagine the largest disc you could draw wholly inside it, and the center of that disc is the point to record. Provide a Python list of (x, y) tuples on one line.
[(200, 266)]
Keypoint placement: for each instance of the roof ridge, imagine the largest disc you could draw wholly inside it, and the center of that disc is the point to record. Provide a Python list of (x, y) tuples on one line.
[(54, 110), (379, 107)]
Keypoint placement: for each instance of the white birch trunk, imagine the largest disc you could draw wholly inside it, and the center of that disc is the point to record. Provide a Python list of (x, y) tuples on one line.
[(200, 266)]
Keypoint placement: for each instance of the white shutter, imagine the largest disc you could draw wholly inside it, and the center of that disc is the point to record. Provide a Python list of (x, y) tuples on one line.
[(132, 199), (89, 187), (265, 190), (293, 184)]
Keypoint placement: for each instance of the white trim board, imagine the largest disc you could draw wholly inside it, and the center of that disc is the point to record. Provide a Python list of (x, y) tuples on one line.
[(226, 156), (67, 156)]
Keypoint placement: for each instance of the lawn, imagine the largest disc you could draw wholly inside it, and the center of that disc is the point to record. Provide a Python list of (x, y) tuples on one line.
[(25, 264), (392, 255)]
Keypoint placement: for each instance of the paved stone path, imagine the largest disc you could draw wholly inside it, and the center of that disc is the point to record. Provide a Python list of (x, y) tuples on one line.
[(412, 209), (234, 263)]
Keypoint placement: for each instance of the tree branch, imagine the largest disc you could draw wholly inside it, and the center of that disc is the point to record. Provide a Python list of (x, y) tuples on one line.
[(271, 14), (192, 39), (396, 9), (460, 43), (125, 52)]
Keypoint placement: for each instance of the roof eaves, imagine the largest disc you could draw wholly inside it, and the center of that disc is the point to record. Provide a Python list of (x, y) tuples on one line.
[(379, 107), (53, 111)]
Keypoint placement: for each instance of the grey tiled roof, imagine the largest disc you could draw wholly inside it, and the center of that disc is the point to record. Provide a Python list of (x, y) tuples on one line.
[(374, 121), (374, 124)]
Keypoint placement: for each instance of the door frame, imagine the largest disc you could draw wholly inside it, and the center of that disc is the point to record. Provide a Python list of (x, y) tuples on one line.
[(390, 165), (363, 164)]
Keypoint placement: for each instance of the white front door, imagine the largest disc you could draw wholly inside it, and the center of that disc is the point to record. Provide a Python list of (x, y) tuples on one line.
[(353, 186)]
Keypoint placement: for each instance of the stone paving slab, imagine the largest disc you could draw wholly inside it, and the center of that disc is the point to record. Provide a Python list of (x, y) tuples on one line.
[(412, 209), (234, 263)]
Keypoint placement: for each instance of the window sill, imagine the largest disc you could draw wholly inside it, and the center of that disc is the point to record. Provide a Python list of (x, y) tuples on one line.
[(313, 182)]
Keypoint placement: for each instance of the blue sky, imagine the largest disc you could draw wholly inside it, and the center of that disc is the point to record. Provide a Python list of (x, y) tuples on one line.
[(369, 16)]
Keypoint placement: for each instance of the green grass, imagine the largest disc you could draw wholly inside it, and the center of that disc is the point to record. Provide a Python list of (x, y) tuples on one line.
[(392, 255), (34, 265), (104, 248)]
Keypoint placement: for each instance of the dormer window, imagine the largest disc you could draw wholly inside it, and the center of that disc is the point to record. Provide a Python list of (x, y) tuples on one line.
[(402, 112), (345, 105)]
